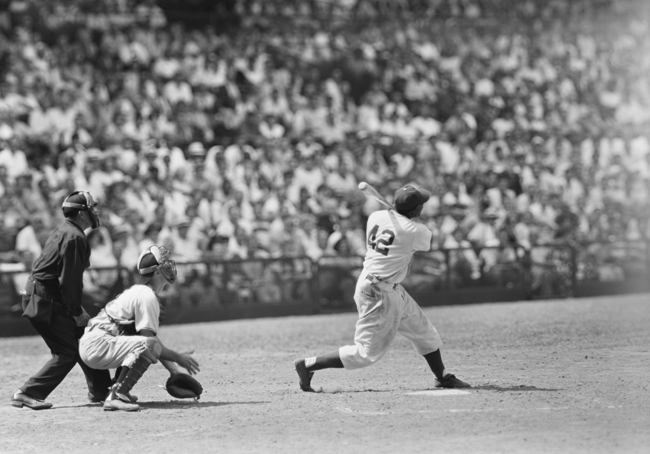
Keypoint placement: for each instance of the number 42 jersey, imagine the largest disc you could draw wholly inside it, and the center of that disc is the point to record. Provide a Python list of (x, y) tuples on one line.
[(391, 241)]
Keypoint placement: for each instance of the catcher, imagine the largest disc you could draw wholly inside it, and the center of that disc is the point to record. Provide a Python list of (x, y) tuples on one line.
[(124, 335)]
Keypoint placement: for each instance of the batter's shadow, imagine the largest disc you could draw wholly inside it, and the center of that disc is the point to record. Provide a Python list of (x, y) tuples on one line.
[(352, 391), (180, 404), (513, 388)]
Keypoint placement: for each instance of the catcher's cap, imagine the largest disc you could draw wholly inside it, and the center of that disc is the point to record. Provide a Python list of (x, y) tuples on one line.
[(409, 197), (157, 257), (146, 262)]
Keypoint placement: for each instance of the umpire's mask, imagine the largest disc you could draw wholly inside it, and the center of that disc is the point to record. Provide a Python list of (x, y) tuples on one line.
[(83, 201)]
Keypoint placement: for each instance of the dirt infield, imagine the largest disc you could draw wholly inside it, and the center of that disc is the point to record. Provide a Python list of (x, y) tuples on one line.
[(551, 376)]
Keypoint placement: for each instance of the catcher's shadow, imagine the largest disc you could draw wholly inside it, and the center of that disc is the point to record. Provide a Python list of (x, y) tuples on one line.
[(192, 404)]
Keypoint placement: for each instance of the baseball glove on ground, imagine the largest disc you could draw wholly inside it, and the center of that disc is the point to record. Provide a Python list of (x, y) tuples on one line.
[(183, 386)]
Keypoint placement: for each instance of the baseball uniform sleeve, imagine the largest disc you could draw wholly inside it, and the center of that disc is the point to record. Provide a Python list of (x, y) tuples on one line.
[(71, 268), (147, 310), (423, 235)]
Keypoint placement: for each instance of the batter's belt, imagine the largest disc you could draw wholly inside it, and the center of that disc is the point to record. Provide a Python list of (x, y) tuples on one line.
[(379, 282)]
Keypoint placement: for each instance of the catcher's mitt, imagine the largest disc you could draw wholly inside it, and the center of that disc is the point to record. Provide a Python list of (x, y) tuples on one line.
[(183, 386)]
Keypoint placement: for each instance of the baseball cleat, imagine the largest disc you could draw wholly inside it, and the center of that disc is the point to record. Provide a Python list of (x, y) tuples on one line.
[(116, 401), (450, 381), (304, 375), (100, 400), (20, 400)]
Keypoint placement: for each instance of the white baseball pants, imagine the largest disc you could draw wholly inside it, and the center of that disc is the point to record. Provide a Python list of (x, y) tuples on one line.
[(101, 350), (385, 310)]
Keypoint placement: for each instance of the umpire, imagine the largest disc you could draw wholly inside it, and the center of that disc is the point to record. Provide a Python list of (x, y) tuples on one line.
[(52, 303)]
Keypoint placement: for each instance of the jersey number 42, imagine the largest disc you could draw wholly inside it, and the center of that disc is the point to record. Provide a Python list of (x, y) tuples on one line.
[(380, 242)]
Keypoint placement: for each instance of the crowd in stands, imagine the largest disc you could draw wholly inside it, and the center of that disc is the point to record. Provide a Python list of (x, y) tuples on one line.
[(251, 143)]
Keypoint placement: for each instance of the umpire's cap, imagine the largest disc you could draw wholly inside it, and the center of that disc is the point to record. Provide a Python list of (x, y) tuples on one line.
[(81, 201)]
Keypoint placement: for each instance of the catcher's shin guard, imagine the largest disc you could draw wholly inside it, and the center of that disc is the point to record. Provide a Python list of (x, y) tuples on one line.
[(134, 366)]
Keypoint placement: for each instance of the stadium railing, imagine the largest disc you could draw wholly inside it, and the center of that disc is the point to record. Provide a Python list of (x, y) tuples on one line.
[(230, 289)]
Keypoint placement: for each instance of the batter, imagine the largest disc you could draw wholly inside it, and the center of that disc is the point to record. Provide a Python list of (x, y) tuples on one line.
[(385, 307)]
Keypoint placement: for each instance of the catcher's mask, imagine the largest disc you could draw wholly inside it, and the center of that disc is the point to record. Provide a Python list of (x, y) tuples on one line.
[(83, 201), (166, 266)]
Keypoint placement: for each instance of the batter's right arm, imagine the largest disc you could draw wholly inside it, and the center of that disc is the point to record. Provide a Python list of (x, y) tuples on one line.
[(422, 241)]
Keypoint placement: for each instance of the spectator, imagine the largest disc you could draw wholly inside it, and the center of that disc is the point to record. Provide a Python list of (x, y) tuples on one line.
[(479, 118)]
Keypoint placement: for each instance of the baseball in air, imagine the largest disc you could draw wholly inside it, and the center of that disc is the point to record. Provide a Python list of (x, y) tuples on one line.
[(363, 185)]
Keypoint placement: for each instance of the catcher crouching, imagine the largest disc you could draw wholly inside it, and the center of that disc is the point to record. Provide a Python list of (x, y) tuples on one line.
[(124, 335)]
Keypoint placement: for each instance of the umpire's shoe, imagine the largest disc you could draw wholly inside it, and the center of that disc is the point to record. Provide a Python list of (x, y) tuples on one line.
[(450, 381), (304, 376), (115, 401), (20, 399)]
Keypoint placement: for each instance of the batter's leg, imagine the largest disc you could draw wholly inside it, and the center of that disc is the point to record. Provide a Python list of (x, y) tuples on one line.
[(443, 379), (306, 367), (434, 360), (376, 328), (416, 327)]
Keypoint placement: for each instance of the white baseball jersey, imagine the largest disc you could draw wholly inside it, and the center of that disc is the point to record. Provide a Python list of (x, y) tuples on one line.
[(137, 304), (102, 347), (392, 239)]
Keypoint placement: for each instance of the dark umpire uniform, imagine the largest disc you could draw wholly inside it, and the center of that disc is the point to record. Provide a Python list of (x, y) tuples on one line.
[(52, 303)]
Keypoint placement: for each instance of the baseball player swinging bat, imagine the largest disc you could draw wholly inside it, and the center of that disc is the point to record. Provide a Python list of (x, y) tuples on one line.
[(385, 308), (369, 191)]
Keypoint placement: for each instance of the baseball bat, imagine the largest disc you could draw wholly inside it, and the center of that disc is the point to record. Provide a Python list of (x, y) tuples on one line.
[(369, 191)]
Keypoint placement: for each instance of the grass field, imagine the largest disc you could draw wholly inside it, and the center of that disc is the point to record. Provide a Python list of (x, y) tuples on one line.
[(549, 376)]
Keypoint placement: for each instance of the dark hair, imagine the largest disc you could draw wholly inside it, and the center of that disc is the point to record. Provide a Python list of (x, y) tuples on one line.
[(404, 212)]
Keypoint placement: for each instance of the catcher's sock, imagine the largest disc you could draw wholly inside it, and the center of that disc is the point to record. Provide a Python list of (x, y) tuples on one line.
[(118, 372), (434, 360), (328, 361), (135, 365)]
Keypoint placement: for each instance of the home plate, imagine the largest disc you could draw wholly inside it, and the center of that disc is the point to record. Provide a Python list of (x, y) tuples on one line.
[(438, 393)]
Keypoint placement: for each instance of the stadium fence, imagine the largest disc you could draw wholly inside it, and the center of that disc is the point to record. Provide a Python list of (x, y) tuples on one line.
[(231, 289)]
